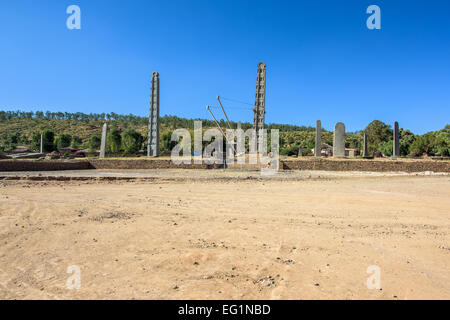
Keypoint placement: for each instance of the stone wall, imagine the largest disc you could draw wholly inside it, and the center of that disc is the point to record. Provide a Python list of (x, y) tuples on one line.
[(367, 165), (30, 165), (303, 164), (143, 164)]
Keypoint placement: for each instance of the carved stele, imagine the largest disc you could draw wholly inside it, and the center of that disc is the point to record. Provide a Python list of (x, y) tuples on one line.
[(339, 140), (366, 149), (318, 147), (396, 147), (153, 125), (103, 142), (260, 99)]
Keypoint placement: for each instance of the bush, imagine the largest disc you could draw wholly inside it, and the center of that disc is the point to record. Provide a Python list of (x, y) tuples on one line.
[(442, 142), (423, 145), (114, 141), (94, 142), (62, 141), (36, 142), (76, 142), (377, 134), (131, 141), (387, 148), (48, 137), (289, 151), (166, 144)]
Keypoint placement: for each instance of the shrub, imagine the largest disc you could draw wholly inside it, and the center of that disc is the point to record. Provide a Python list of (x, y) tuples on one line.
[(48, 137), (131, 141), (62, 141), (76, 142), (94, 142), (114, 141)]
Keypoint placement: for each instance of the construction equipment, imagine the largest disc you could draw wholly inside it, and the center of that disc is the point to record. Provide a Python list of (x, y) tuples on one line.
[(223, 110)]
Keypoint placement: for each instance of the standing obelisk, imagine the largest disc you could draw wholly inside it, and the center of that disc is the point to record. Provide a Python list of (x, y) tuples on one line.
[(318, 144), (103, 141), (260, 100), (153, 125), (366, 148), (41, 149), (396, 141)]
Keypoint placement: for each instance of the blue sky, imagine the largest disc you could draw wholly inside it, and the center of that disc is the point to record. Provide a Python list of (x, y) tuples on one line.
[(322, 61)]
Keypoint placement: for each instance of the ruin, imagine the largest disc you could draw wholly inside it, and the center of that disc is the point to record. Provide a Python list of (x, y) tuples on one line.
[(318, 147), (365, 150), (396, 146), (153, 125), (260, 98), (339, 140), (41, 149), (103, 142)]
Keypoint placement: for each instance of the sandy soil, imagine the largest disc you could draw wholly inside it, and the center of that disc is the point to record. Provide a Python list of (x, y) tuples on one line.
[(227, 239)]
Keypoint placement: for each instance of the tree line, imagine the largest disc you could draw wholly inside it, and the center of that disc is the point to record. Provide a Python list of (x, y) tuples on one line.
[(127, 134), (173, 122)]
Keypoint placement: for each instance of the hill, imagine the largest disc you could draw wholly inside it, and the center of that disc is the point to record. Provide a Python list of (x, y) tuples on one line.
[(83, 131)]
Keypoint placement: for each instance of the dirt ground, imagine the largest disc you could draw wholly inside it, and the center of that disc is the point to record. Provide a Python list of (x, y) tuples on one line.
[(309, 237)]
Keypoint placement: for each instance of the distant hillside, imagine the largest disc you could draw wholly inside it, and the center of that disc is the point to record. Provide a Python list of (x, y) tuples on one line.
[(18, 128)]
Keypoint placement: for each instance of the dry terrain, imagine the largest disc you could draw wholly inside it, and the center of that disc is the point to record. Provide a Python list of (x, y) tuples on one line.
[(227, 235)]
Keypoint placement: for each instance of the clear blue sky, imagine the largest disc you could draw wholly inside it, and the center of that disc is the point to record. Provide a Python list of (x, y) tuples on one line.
[(322, 61)]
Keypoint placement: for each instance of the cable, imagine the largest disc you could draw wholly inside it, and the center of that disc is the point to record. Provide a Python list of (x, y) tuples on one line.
[(234, 100), (237, 108)]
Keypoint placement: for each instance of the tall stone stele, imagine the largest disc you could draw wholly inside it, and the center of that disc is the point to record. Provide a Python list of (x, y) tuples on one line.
[(365, 150), (103, 142), (41, 149), (260, 100), (153, 125), (396, 142), (339, 140), (318, 147)]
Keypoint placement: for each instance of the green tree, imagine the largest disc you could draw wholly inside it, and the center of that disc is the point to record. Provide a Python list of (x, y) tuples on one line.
[(94, 142), (48, 137), (76, 142), (36, 142), (406, 138), (387, 148), (354, 141), (289, 151), (377, 134), (442, 142), (114, 141), (62, 141), (166, 144), (423, 145), (131, 141)]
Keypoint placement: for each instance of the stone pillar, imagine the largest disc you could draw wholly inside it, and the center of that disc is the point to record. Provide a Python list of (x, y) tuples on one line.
[(396, 147), (41, 149), (318, 147), (365, 150), (300, 152), (103, 143), (260, 100), (153, 125), (339, 140)]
